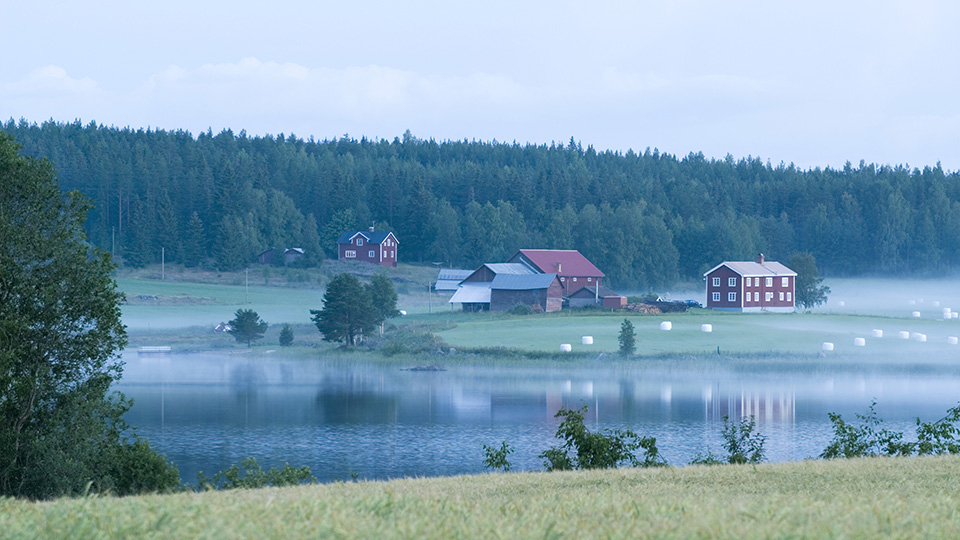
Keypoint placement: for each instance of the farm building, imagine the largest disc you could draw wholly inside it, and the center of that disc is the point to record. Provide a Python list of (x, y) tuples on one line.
[(751, 286), (573, 269), (272, 255), (448, 280), (368, 246), (596, 295), (500, 286)]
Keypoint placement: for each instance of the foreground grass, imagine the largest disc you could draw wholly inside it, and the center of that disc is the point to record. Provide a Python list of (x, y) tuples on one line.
[(870, 498)]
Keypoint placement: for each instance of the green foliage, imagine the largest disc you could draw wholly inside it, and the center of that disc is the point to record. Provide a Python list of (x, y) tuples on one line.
[(247, 326), (254, 477), (520, 309), (347, 312), (867, 439), (809, 293), (286, 336), (627, 338), (60, 331), (939, 437), (582, 449), (496, 458), (383, 297), (741, 442)]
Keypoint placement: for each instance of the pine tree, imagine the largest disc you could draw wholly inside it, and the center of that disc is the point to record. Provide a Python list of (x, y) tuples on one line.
[(347, 312), (627, 338), (247, 327)]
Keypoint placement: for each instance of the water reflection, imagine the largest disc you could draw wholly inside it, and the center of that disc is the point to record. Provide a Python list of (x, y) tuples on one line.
[(207, 412)]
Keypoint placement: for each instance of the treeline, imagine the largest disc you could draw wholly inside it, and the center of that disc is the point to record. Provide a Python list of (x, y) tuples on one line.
[(645, 219)]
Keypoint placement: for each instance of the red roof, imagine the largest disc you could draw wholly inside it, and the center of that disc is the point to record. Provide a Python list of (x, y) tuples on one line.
[(563, 262)]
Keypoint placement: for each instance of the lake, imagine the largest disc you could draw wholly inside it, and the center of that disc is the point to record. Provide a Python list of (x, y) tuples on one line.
[(209, 411)]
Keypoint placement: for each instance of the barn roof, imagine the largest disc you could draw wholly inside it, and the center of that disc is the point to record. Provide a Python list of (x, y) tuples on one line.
[(472, 293), (565, 262), (751, 268), (522, 282), (449, 279), (590, 291), (510, 268)]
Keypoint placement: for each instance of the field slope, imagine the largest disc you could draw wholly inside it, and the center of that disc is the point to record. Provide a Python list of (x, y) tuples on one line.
[(871, 498)]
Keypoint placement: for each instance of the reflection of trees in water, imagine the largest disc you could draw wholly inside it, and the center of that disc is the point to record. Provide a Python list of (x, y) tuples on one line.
[(338, 406)]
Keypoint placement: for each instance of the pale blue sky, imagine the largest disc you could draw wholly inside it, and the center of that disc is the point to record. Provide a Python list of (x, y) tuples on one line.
[(815, 83)]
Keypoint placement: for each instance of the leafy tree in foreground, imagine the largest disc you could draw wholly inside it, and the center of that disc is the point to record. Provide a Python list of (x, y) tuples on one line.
[(809, 293), (60, 330), (347, 312), (597, 450), (627, 338), (247, 327)]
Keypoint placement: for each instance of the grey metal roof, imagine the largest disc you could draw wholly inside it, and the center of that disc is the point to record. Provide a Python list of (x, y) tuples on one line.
[(522, 282), (510, 268), (472, 293), (453, 274)]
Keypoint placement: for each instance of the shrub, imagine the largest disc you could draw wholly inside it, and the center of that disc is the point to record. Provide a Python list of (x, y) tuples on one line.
[(867, 439), (940, 436), (742, 443), (605, 450), (254, 477), (520, 309), (286, 336), (496, 458)]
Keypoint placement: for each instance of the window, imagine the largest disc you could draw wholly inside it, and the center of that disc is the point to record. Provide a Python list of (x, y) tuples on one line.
[(563, 279), (716, 283), (373, 253), (785, 282), (769, 282), (781, 296), (359, 241), (716, 297), (732, 297), (732, 282), (349, 253), (574, 280), (748, 282), (756, 297), (589, 279), (789, 297), (768, 296)]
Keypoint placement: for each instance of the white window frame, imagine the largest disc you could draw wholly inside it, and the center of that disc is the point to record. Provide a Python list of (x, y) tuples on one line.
[(359, 242), (716, 297), (768, 296), (769, 282), (731, 297), (785, 282), (350, 254), (789, 297), (373, 253), (748, 282), (716, 282), (781, 296), (731, 282), (756, 297)]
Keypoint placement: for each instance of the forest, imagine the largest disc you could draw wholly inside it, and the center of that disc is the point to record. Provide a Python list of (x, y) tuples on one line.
[(648, 219)]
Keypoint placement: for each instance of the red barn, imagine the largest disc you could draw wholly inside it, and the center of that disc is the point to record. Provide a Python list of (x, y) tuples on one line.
[(573, 269), (373, 247), (751, 286)]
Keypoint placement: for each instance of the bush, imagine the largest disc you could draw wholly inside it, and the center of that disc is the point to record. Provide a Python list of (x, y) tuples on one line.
[(286, 336), (254, 477), (137, 468), (496, 458), (742, 444), (865, 440), (597, 450), (520, 309)]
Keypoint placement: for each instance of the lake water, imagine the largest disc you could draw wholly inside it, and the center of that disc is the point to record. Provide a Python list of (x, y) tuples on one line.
[(209, 411)]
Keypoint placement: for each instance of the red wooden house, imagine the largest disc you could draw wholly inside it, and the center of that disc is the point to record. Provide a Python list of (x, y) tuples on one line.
[(573, 269), (368, 246), (751, 286)]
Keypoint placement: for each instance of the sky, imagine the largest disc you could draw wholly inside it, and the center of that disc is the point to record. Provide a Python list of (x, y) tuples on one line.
[(813, 83)]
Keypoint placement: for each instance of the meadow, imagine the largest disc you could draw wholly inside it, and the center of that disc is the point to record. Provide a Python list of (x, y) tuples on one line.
[(863, 498)]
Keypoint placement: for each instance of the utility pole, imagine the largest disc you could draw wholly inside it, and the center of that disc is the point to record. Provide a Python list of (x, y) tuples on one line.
[(162, 263), (246, 283)]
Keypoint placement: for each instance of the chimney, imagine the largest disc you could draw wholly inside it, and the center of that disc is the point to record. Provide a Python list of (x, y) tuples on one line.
[(558, 268), (371, 228), (760, 258)]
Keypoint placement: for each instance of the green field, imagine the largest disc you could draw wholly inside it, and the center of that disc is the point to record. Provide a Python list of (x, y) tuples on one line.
[(869, 498)]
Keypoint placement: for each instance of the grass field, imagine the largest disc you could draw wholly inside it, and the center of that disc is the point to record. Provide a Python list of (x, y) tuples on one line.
[(870, 498)]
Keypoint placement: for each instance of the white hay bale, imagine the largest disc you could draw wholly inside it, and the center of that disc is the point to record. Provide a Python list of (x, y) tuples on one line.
[(952, 340), (859, 342), (827, 346), (565, 347), (877, 333), (706, 328), (916, 314), (904, 334), (920, 337), (841, 303), (666, 325), (587, 340)]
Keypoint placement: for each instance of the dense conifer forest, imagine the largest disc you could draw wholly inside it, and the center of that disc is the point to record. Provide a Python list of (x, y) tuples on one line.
[(646, 219)]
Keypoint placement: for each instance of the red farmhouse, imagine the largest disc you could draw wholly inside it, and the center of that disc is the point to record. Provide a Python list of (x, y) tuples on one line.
[(574, 270), (373, 247), (751, 286)]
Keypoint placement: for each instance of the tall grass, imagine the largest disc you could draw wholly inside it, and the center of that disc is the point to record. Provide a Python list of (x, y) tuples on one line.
[(869, 498)]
